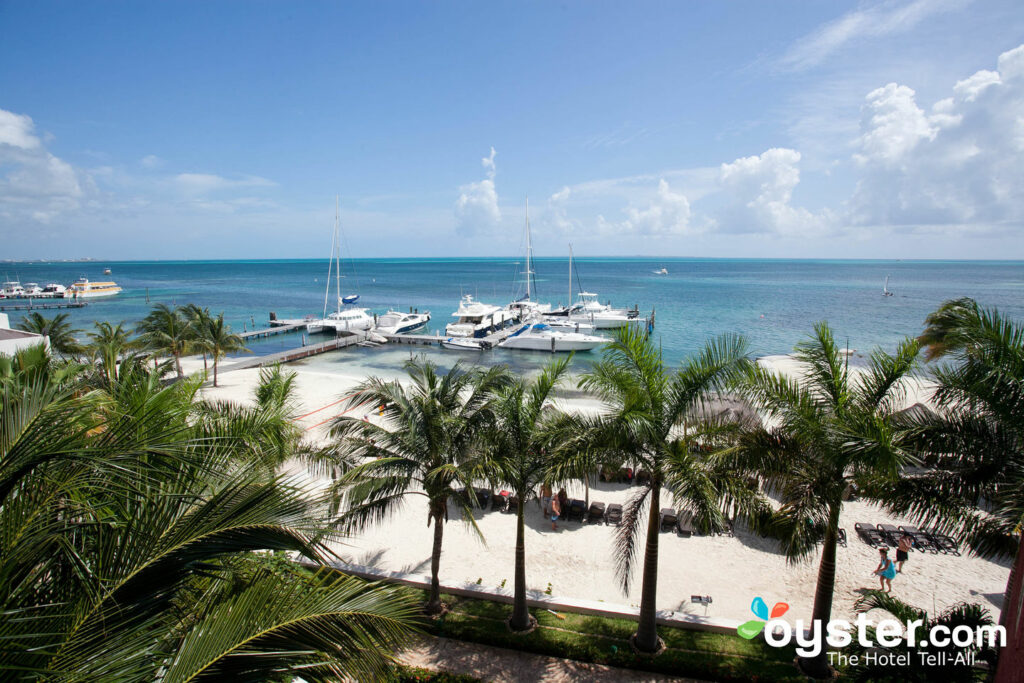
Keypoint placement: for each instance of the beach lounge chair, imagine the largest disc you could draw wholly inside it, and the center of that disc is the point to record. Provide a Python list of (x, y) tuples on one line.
[(669, 518), (922, 541), (842, 537), (944, 542), (483, 497), (684, 524), (500, 500), (595, 513), (869, 534), (891, 533), (614, 514), (642, 477), (512, 506), (577, 510)]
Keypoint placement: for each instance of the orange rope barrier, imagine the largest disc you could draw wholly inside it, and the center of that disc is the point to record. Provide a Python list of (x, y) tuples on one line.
[(302, 417), (329, 419)]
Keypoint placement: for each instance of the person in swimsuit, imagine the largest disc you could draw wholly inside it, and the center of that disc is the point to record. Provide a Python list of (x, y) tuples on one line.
[(545, 498), (886, 570), (903, 551), (556, 511)]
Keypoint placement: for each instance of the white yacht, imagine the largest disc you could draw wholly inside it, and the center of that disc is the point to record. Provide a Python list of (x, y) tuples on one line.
[(601, 316), (396, 322), (564, 324), (12, 290), (542, 337), (32, 289), (54, 290), (345, 318), (477, 319), (83, 289), (464, 344)]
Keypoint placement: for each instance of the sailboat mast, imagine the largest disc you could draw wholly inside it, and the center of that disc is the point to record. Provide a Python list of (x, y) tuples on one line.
[(529, 251), (330, 265), (337, 256), (569, 302)]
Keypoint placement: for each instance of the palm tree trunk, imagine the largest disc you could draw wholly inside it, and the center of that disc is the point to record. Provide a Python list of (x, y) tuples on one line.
[(205, 367), (214, 371), (646, 638), (434, 603), (520, 614), (818, 667), (177, 365), (1011, 657)]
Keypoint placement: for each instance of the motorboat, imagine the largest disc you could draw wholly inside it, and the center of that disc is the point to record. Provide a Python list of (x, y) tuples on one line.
[(396, 322), (12, 290), (477, 319), (563, 324), (106, 271), (32, 289), (464, 344), (542, 337), (84, 289), (54, 290), (662, 271), (345, 318), (601, 316)]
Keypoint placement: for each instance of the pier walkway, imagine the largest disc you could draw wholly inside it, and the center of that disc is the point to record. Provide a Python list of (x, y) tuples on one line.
[(30, 306), (276, 329), (299, 353)]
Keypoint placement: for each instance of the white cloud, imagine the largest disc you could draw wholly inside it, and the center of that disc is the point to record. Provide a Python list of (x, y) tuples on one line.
[(668, 212), (35, 185), (151, 161), (202, 183), (962, 166), (477, 205), (756, 194), (866, 22)]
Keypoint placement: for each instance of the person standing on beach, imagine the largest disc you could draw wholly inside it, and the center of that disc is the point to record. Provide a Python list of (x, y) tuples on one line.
[(545, 498), (556, 511), (903, 551), (886, 570)]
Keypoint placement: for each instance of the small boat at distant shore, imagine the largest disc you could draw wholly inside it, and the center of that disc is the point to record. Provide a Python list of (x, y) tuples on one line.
[(663, 271)]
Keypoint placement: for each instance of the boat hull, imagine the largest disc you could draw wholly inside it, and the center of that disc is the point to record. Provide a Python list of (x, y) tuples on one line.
[(552, 344)]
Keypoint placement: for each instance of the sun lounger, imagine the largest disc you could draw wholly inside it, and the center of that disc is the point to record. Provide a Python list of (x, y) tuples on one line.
[(483, 497), (842, 537), (922, 541), (684, 524), (595, 513), (944, 542), (614, 514), (891, 534), (869, 534), (642, 477), (669, 518), (577, 510), (512, 506), (500, 500)]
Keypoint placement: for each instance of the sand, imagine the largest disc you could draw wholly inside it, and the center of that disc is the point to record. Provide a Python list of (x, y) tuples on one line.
[(577, 560)]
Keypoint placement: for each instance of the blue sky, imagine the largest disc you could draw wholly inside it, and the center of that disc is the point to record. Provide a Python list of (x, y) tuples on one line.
[(783, 129)]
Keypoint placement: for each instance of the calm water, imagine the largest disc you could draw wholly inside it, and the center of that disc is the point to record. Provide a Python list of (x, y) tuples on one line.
[(773, 302)]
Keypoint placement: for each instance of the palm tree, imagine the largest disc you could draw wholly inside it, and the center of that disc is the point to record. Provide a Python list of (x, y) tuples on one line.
[(518, 447), (973, 448), (425, 447), (655, 421), (831, 431), (129, 530), (198, 318), (165, 332), (57, 328), (962, 614), (109, 343), (215, 336)]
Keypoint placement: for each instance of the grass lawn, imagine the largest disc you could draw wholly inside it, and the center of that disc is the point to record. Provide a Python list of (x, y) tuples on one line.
[(697, 654)]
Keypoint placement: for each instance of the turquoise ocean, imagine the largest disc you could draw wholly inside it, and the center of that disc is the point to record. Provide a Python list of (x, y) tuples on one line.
[(774, 303)]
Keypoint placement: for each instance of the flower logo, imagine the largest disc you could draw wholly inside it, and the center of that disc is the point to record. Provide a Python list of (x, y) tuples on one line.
[(753, 627)]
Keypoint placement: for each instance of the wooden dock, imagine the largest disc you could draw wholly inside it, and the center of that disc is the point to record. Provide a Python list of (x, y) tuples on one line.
[(435, 339), (299, 353), (30, 306), (277, 329)]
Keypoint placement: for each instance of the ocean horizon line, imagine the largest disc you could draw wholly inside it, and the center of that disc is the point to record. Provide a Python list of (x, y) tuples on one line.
[(506, 259)]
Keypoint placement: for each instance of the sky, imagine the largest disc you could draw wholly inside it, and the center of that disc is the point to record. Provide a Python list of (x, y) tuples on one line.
[(789, 129)]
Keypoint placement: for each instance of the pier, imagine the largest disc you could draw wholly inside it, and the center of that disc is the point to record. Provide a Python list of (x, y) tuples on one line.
[(40, 307), (435, 339), (280, 328), (339, 342)]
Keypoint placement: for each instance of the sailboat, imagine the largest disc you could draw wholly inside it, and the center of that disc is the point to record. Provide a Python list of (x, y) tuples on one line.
[(885, 288), (525, 307), (345, 318)]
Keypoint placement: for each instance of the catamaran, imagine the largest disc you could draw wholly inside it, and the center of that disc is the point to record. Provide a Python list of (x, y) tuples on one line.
[(345, 318), (83, 289)]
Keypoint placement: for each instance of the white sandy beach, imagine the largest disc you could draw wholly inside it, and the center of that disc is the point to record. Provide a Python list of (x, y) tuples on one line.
[(577, 560)]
